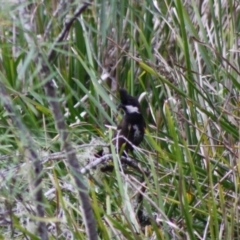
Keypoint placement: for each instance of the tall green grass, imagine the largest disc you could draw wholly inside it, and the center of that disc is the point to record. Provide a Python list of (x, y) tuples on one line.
[(182, 58)]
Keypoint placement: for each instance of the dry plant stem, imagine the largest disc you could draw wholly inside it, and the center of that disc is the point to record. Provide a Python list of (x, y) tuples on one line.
[(65, 30), (94, 163), (100, 160), (27, 142), (61, 7), (50, 91), (61, 126), (73, 162)]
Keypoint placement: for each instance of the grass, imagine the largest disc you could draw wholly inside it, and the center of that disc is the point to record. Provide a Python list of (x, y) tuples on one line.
[(181, 59)]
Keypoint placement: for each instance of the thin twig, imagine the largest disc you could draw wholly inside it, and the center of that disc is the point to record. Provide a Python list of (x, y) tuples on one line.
[(65, 30)]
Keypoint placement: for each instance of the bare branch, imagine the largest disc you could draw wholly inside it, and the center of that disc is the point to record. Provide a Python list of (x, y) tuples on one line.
[(50, 91), (65, 30)]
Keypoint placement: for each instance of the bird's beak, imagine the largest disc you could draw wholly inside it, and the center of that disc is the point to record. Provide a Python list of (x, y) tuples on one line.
[(120, 106)]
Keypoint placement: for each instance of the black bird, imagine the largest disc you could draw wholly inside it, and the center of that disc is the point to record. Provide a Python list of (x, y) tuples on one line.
[(132, 125), (131, 128)]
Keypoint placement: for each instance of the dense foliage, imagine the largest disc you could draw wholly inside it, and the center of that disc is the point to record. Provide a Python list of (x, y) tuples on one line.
[(180, 57)]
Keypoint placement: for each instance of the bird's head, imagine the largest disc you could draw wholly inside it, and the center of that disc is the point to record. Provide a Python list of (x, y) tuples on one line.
[(129, 104)]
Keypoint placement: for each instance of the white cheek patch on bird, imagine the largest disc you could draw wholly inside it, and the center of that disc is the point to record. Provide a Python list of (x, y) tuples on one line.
[(132, 109)]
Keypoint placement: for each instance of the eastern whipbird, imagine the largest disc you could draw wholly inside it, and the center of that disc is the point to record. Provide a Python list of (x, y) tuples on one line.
[(130, 133), (132, 125), (130, 130)]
